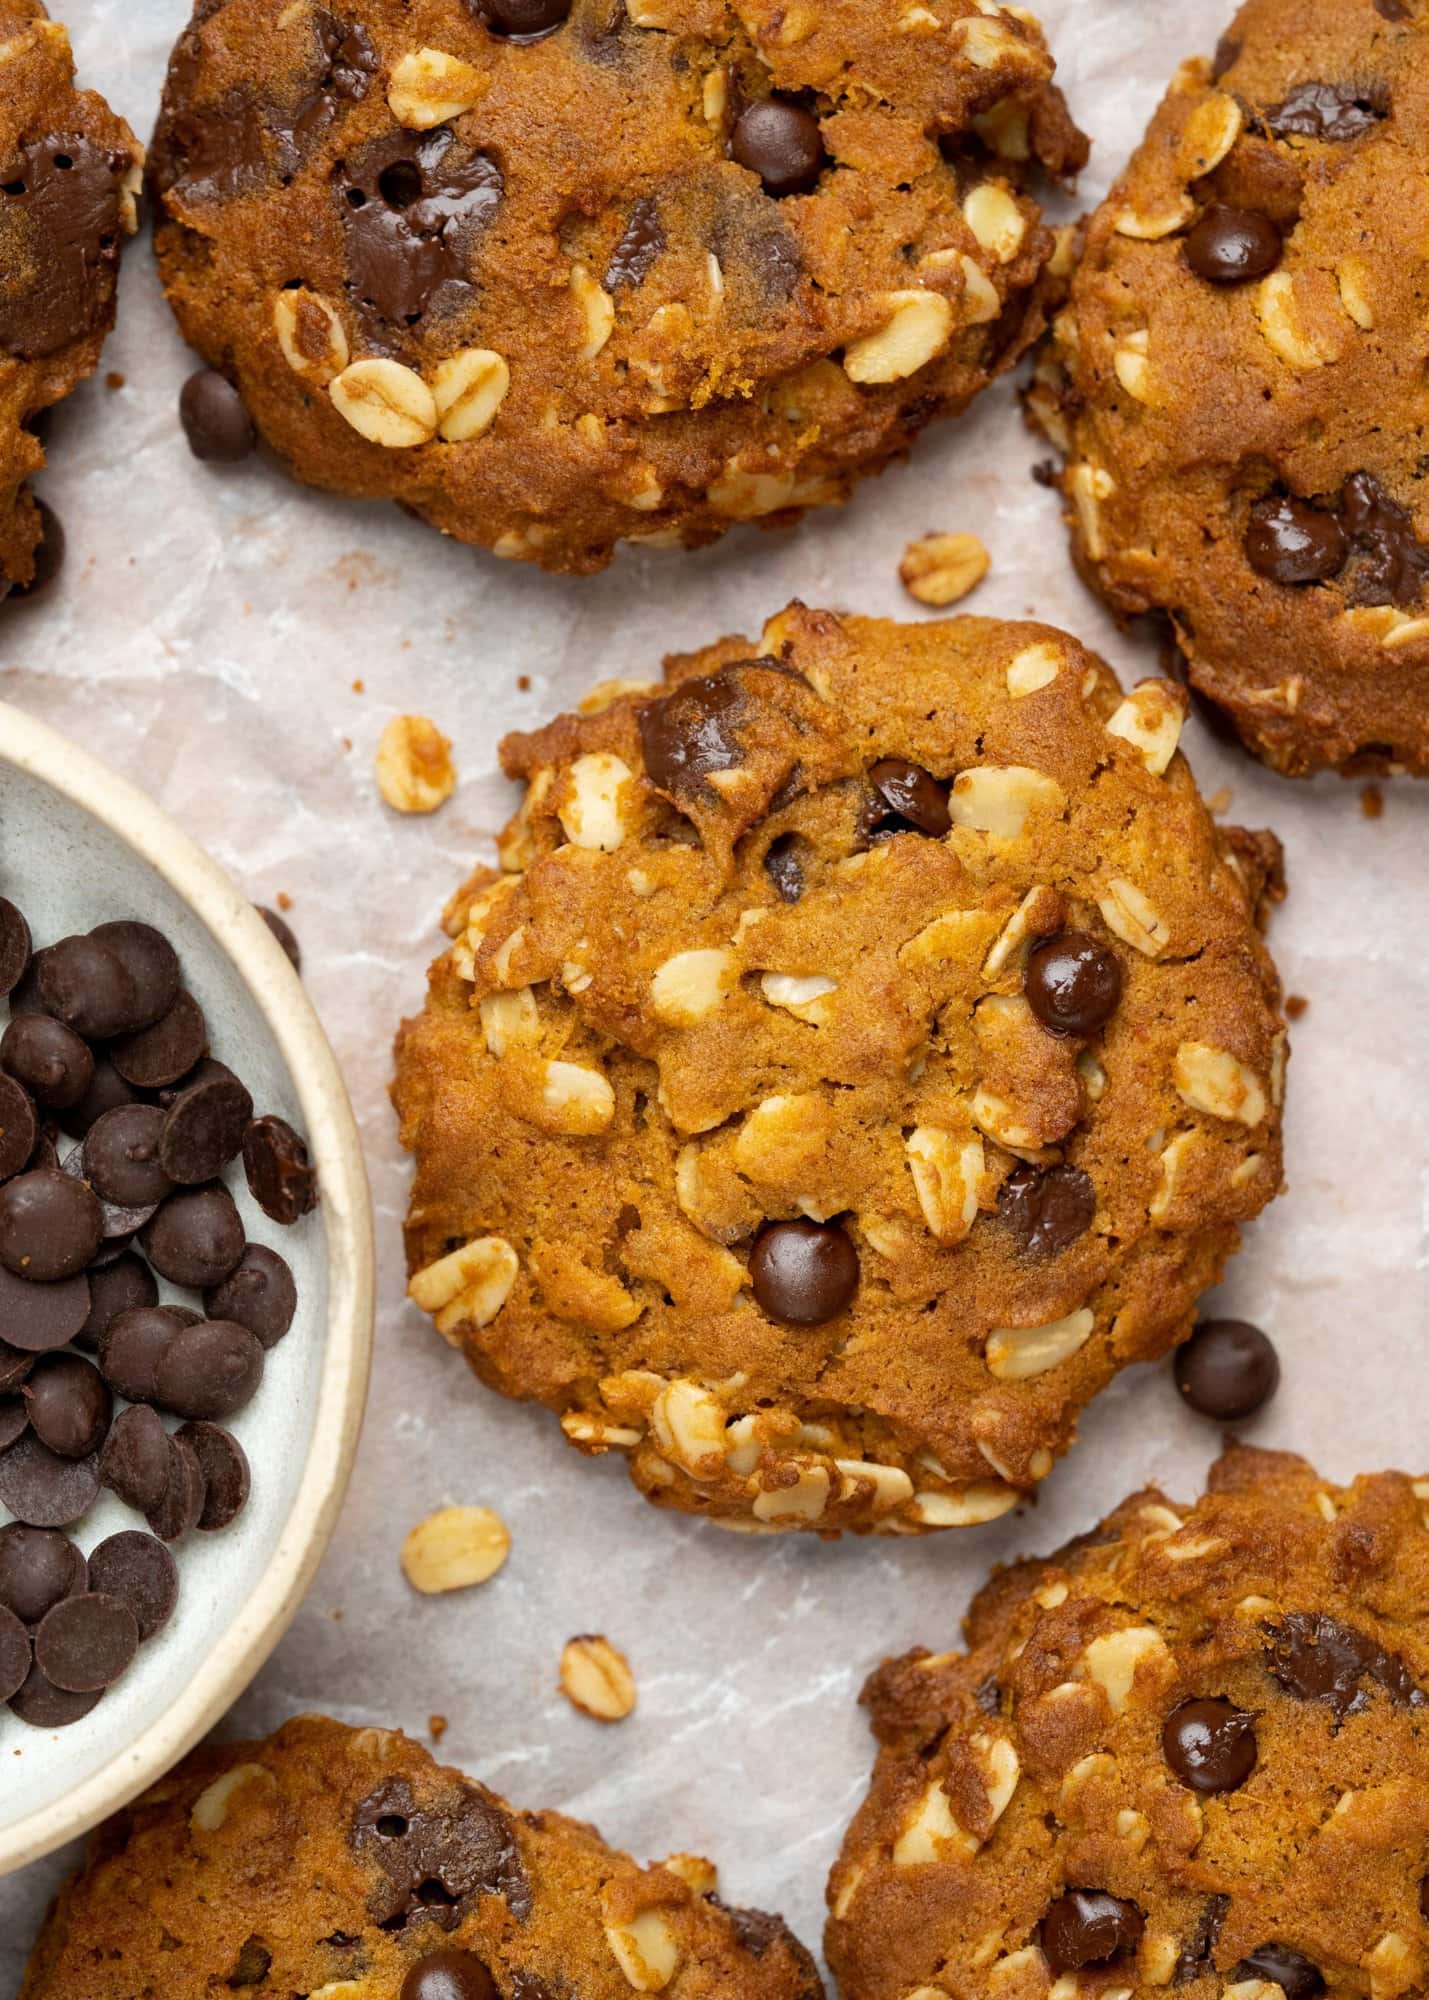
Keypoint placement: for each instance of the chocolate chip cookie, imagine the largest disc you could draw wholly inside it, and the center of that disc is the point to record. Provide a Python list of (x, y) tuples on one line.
[(69, 173), (558, 273), (866, 1049), (1186, 1753), (1236, 381), (346, 1863)]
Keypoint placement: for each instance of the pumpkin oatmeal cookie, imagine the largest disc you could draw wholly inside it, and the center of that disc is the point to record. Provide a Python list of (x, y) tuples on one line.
[(865, 1050)]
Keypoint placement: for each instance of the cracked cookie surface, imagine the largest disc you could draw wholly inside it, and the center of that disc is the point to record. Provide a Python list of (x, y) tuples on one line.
[(1235, 382), (69, 173), (557, 273), (346, 1864), (1184, 1754), (866, 1049)]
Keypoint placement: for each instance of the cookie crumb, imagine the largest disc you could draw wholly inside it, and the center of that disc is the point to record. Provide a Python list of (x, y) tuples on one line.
[(596, 1678), (1220, 801), (455, 1548), (436, 1727), (114, 380), (943, 569), (1295, 1006), (523, 682), (1372, 802), (283, 900), (359, 687), (415, 772)]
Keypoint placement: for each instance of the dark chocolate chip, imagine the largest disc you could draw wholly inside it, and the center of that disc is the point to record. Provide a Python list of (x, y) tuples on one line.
[(226, 1475), (447, 1975), (1393, 562), (131, 1345), (784, 868), (113, 1289), (412, 206), (283, 932), (15, 1366), (14, 1419), (690, 733), (1393, 10), (69, 1404), (117, 1225), (1210, 1744), (1329, 111), (1290, 541), (1226, 57), (179, 1510), (48, 1058), (43, 1490), (16, 1654), (521, 20), (1230, 245), (44, 1706), (640, 244), (1046, 1210), (87, 986), (37, 1568), (135, 1461), (121, 1157), (1316, 1658), (195, 1238), (435, 1855), (50, 1225), (151, 962), (1290, 1970), (281, 1177), (138, 1570), (47, 556), (204, 1126), (170, 1048), (38, 1318), (1194, 1959), (1227, 1370), (1089, 1927), (107, 1091), (215, 421), (259, 1294), (59, 211), (210, 1369), (86, 1643), (778, 139), (14, 946), (906, 799), (803, 1272), (19, 1126), (1072, 983)]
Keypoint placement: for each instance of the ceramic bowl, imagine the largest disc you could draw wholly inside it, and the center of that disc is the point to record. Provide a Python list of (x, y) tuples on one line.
[(79, 845)]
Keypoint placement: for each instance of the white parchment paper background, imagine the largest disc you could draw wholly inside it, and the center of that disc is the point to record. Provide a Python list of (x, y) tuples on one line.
[(206, 639)]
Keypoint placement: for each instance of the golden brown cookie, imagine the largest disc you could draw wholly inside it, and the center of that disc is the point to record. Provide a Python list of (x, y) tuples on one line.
[(69, 173), (346, 1865), (558, 273), (867, 1049), (1238, 381), (1186, 1754)]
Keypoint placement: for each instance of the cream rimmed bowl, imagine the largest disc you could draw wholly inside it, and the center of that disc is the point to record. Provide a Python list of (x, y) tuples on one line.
[(79, 845)]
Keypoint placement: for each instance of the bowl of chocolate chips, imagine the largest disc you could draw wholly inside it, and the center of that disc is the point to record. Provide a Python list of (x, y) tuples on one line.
[(186, 1289)]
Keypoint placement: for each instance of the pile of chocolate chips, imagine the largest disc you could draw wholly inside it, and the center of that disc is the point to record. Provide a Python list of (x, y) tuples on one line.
[(116, 1129)]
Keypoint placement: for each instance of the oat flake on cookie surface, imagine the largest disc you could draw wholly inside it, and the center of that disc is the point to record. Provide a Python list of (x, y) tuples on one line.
[(865, 1049), (345, 1864), (558, 273), (1238, 381), (1184, 1754)]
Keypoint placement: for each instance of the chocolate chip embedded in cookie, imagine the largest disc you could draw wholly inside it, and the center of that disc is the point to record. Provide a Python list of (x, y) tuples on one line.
[(866, 1049), (1235, 382), (69, 175), (1183, 1754), (556, 274), (329, 1860)]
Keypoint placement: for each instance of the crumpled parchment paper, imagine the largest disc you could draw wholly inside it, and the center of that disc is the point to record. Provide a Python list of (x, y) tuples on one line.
[(235, 644)]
